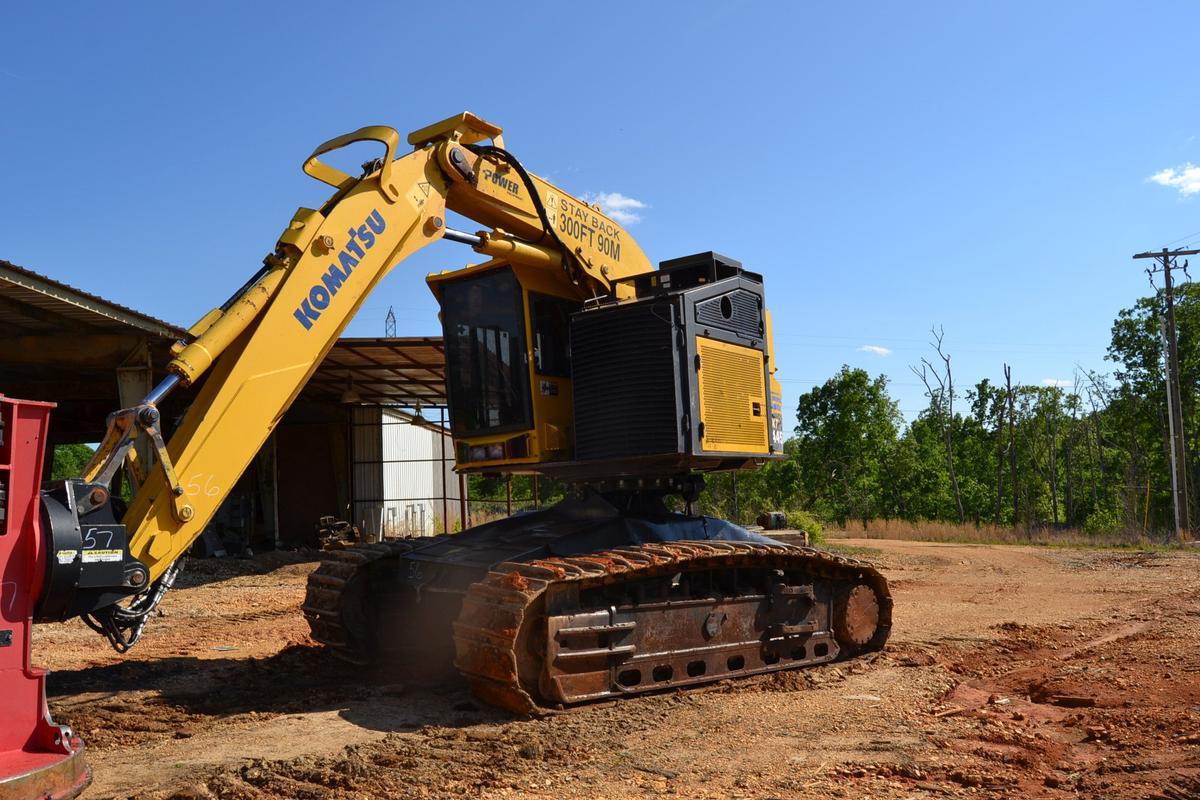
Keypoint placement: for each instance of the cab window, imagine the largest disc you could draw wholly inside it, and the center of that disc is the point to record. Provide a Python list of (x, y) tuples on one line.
[(486, 373), (551, 321)]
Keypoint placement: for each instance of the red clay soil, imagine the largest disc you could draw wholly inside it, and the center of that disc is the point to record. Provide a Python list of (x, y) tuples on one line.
[(1013, 672)]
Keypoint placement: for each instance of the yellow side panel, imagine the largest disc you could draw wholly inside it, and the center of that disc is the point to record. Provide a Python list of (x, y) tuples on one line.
[(733, 397)]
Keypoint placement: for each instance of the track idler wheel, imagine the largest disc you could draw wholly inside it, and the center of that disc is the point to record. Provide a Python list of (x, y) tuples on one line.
[(855, 615)]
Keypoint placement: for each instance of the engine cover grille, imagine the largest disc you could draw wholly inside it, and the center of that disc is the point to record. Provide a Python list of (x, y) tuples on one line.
[(625, 372), (731, 383)]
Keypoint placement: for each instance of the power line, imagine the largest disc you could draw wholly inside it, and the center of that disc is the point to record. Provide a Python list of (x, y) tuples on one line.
[(823, 380), (924, 345), (1182, 238)]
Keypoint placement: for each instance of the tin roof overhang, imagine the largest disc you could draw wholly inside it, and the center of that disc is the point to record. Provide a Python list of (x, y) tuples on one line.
[(64, 344), (34, 304), (404, 371)]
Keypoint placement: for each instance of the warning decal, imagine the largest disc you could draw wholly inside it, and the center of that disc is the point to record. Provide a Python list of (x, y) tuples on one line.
[(92, 556)]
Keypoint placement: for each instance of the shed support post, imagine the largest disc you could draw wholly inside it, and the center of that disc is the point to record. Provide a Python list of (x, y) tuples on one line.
[(134, 382)]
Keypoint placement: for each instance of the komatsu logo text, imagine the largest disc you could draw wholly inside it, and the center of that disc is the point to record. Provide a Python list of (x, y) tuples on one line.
[(361, 240)]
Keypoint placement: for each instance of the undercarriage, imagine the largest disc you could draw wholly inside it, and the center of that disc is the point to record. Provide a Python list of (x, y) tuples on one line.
[(584, 602)]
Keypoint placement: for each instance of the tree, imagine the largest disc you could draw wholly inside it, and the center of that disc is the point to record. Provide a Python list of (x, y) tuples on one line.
[(1011, 401), (989, 407), (939, 388), (846, 429), (69, 461), (775, 486), (1042, 409), (916, 485), (1138, 407)]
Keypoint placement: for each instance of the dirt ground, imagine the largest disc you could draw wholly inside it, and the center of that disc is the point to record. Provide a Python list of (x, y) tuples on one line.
[(1012, 672)]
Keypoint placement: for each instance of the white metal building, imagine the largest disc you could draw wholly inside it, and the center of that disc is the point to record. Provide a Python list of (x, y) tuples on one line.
[(404, 482)]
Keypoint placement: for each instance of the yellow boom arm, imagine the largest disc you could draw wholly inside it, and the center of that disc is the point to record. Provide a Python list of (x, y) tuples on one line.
[(262, 346)]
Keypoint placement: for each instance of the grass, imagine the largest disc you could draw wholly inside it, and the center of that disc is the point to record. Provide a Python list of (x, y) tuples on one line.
[(934, 531), (851, 550)]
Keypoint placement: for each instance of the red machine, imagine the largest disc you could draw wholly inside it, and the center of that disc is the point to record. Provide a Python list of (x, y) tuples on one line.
[(38, 759)]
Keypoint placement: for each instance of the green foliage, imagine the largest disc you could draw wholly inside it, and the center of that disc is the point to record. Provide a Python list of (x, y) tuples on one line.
[(1135, 412), (846, 432), (741, 496), (490, 493), (804, 521), (1102, 521), (69, 460)]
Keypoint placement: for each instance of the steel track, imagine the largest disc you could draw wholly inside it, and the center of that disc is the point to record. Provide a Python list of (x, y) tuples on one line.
[(509, 638), (334, 600), (501, 615)]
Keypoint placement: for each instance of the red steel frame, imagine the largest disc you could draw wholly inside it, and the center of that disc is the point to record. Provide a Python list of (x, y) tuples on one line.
[(38, 759)]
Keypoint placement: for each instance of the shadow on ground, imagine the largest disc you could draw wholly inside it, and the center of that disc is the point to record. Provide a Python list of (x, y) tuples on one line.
[(299, 679)]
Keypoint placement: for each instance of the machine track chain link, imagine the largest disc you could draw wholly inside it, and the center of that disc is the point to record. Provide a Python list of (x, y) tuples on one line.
[(329, 595), (495, 609)]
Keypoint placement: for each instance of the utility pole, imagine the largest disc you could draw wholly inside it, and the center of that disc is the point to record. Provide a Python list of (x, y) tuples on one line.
[(1165, 262), (1175, 459)]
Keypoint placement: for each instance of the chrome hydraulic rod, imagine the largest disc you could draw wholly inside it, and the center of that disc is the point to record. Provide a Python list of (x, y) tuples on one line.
[(462, 237), (160, 391)]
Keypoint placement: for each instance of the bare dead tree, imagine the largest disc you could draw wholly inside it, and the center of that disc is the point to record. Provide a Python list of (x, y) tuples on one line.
[(1099, 397), (1012, 443), (942, 402), (1041, 456)]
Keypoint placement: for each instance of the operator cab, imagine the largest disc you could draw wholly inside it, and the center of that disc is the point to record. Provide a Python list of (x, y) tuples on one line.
[(508, 365), (673, 377)]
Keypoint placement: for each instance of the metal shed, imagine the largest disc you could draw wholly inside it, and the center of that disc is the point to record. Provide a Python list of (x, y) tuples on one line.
[(88, 354), (401, 457), (92, 356)]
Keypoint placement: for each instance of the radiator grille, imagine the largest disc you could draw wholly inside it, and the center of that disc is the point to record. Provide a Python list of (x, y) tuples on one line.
[(624, 381), (733, 404), (744, 309)]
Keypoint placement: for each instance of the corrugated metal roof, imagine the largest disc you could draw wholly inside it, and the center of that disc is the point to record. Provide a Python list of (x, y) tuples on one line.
[(402, 370), (384, 371), (41, 304)]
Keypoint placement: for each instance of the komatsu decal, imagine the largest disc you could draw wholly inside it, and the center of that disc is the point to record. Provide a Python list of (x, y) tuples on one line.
[(361, 239)]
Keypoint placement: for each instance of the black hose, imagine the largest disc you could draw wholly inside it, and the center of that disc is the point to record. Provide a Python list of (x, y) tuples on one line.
[(123, 626), (570, 260)]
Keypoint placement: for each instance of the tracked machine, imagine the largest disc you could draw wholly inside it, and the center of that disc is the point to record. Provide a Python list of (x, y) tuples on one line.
[(667, 375), (567, 354)]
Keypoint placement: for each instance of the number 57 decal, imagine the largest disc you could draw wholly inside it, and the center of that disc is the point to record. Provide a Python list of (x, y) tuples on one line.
[(92, 536)]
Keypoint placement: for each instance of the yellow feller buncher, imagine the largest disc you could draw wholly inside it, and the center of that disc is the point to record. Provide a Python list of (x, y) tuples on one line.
[(567, 354)]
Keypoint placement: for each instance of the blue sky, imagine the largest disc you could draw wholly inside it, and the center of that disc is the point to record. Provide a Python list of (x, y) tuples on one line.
[(983, 167)]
